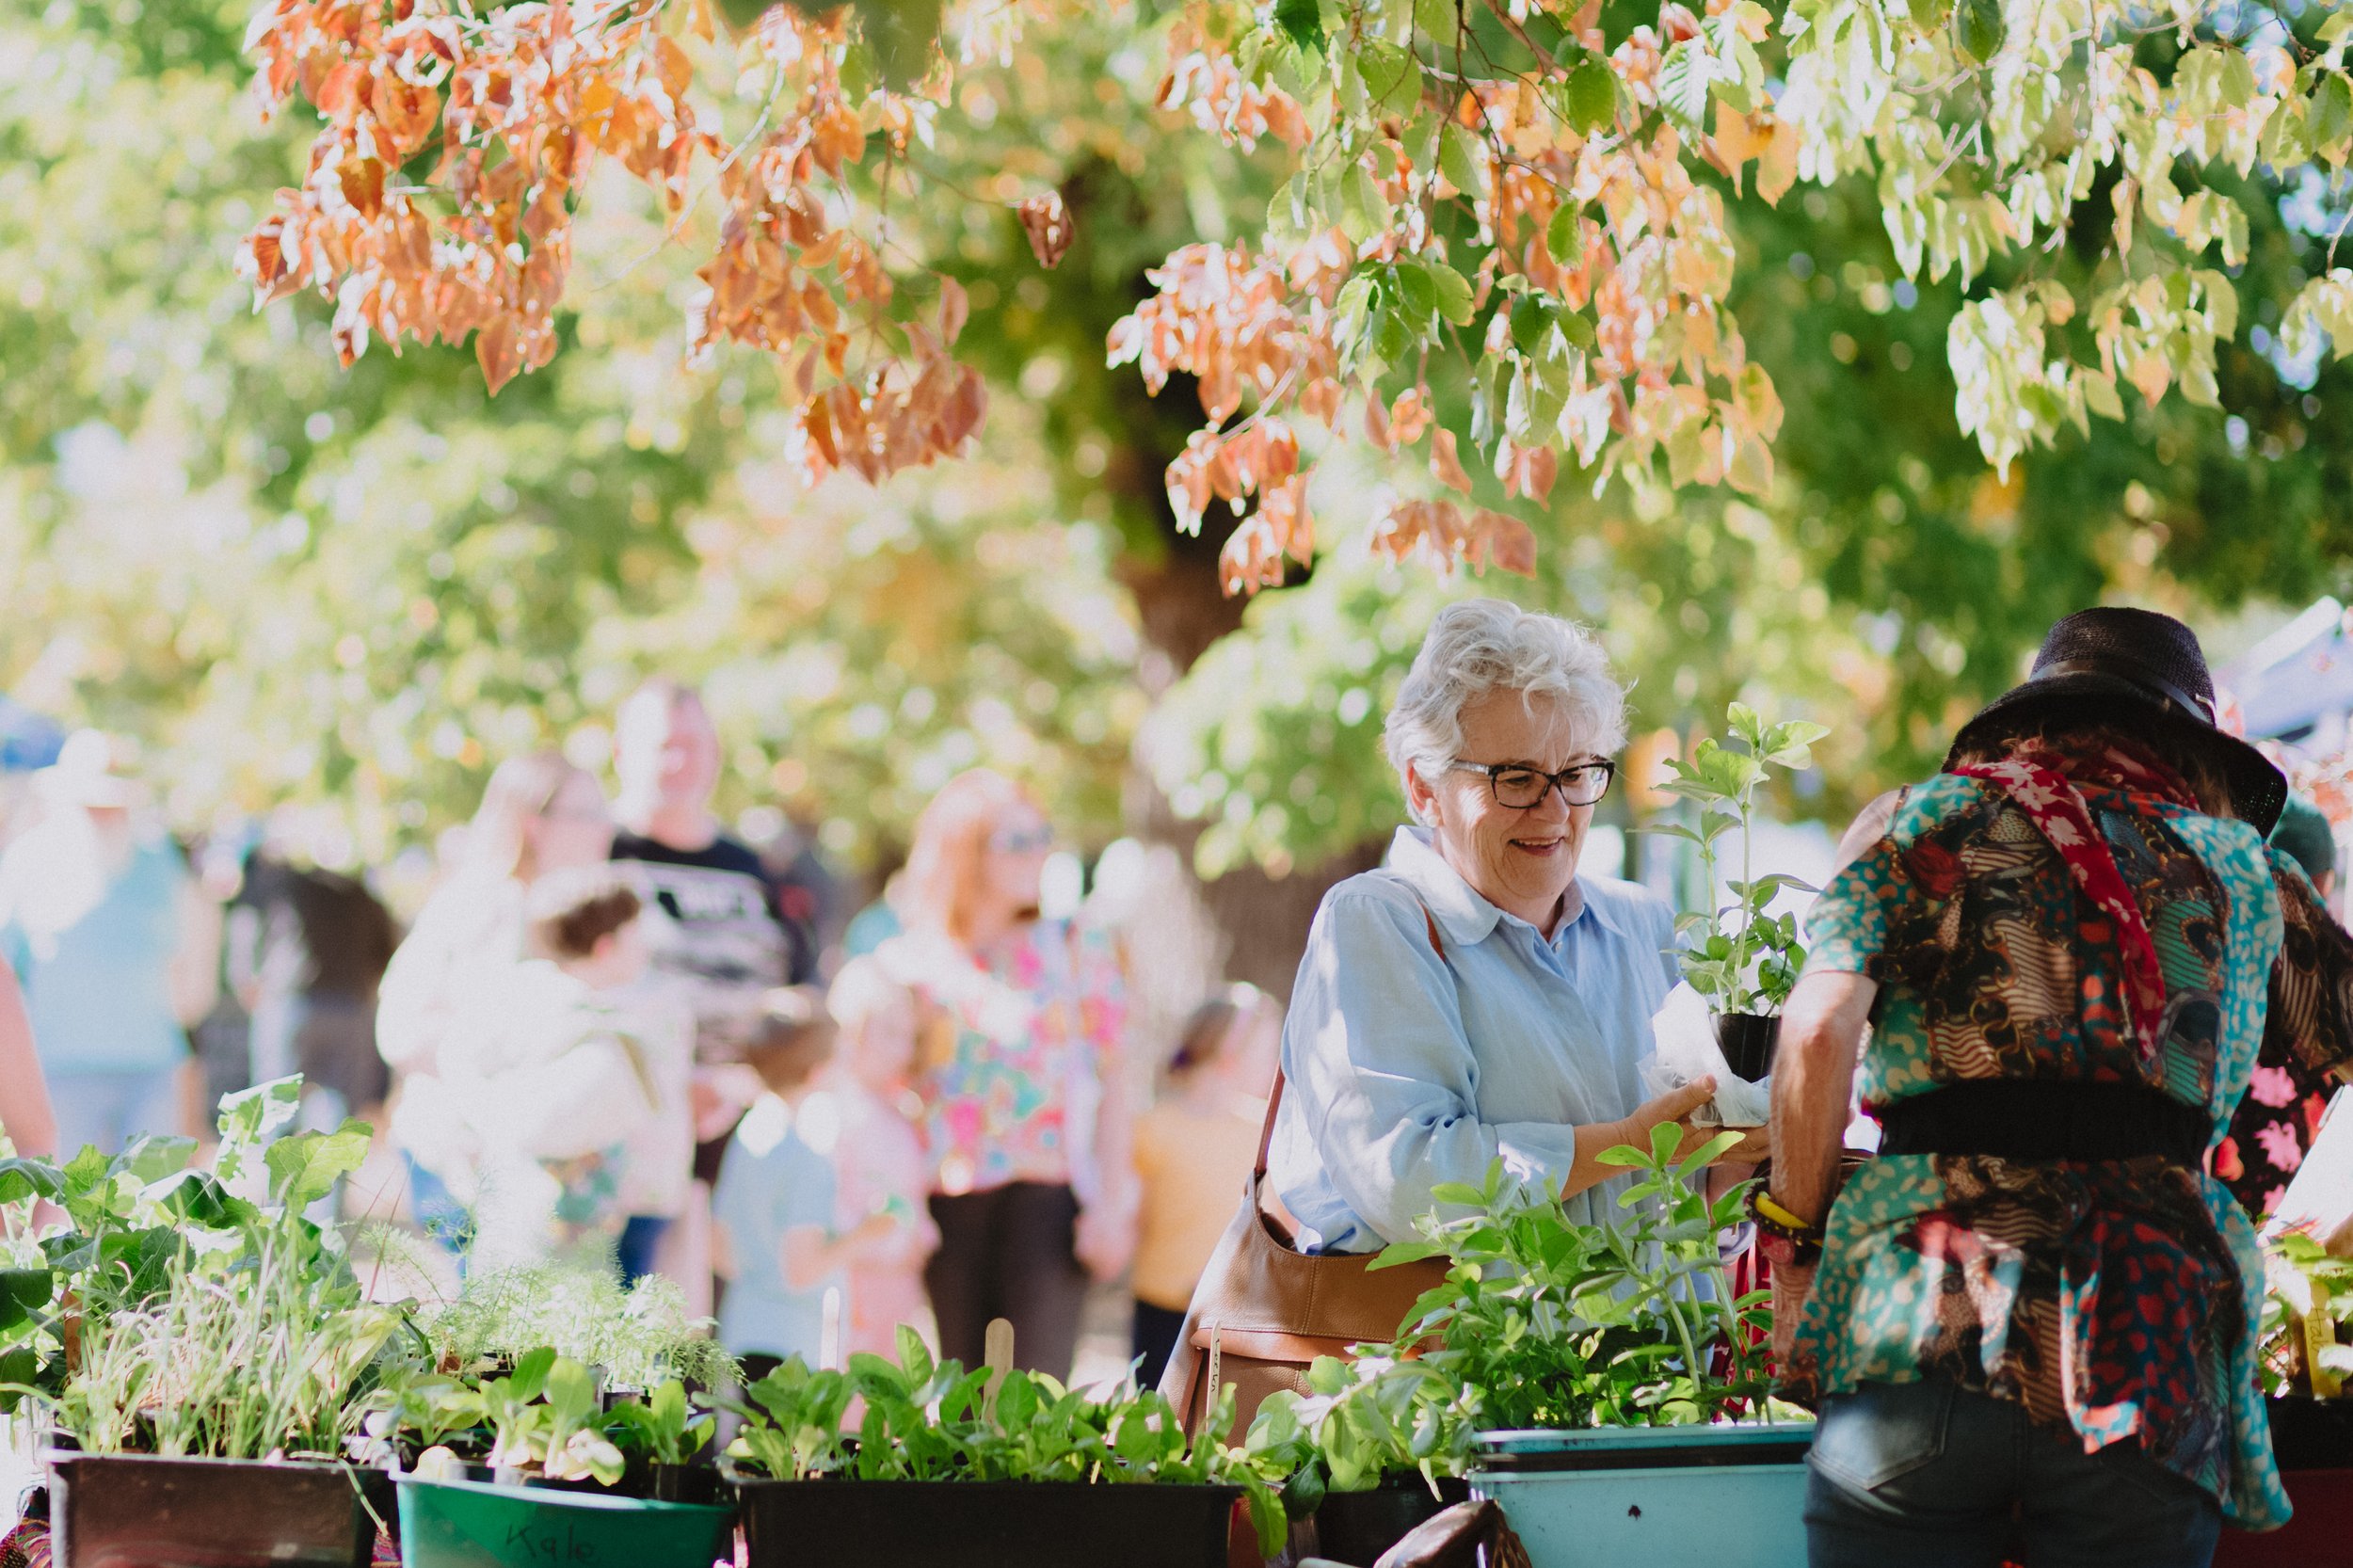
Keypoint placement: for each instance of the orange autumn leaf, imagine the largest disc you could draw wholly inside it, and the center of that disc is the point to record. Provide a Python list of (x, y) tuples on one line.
[(1445, 466), (1046, 222)]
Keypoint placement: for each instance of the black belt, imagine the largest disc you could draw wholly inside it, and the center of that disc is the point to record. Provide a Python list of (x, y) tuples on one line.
[(2045, 1119)]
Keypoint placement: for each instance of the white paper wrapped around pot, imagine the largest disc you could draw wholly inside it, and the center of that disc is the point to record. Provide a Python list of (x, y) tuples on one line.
[(1684, 1050)]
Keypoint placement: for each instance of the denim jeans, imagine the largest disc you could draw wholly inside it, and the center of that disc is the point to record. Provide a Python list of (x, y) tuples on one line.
[(1929, 1475)]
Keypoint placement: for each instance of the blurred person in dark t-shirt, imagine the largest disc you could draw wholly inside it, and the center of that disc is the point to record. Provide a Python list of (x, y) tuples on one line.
[(714, 922), (308, 949)]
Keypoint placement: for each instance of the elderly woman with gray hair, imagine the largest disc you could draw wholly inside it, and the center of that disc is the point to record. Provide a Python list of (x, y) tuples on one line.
[(1476, 998)]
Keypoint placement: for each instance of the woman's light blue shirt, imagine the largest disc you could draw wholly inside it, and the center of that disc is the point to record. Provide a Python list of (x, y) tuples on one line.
[(1407, 1068), (98, 990)]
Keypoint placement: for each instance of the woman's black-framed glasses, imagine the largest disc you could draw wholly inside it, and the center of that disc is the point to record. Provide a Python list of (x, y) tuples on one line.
[(1520, 787)]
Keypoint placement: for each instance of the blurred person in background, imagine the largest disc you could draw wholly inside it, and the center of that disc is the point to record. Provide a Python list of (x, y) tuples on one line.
[(715, 928), (780, 1245), (539, 814), (2275, 1124), (1193, 1150), (2306, 838), (306, 951), (116, 949), (1021, 1082), (868, 1111), (25, 1113), (530, 1118)]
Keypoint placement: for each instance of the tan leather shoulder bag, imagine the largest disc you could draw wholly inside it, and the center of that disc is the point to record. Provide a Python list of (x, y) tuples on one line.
[(1264, 1311)]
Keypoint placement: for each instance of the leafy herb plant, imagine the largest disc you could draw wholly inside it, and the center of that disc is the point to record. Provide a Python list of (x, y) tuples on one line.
[(1738, 957), (639, 1337), (211, 1317), (935, 1421), (2308, 1300), (664, 1429), (1540, 1322)]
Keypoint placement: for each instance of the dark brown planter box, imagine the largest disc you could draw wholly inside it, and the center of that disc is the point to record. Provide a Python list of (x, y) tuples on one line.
[(109, 1511), (913, 1524)]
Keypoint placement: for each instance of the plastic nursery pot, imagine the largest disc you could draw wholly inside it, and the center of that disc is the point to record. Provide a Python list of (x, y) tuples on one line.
[(685, 1483), (109, 1509), (468, 1525), (1748, 1041), (1357, 1526), (1719, 1496), (952, 1524)]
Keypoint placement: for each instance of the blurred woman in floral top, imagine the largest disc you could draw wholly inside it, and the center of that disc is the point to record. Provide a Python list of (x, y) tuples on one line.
[(2034, 1311), (1021, 1077)]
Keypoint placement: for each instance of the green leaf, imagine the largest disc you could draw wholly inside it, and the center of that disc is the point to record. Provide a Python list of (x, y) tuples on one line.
[(1454, 293), (915, 1355), (1561, 234), (1302, 21), (531, 1374), (151, 1158), (1532, 318), (253, 1114), (1439, 19), (1683, 81), (1353, 316), (22, 1292), (1705, 1153), (1977, 29), (18, 1368), (1417, 296), (1621, 1154), (1304, 1491), (1592, 96), (305, 1168), (1462, 160), (1392, 76), (30, 1178)]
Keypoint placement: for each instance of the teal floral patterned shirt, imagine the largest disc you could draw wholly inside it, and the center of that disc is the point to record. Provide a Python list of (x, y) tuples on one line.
[(2121, 1298)]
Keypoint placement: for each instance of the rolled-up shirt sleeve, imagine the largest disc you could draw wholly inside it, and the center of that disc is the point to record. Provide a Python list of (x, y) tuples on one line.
[(1382, 1081)]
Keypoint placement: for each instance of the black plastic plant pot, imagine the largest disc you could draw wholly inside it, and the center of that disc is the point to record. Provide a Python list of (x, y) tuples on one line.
[(685, 1483), (911, 1523), (111, 1510), (1748, 1041), (2311, 1434), (1358, 1527)]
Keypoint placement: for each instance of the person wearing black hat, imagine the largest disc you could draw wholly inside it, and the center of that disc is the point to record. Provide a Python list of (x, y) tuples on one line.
[(2034, 1313)]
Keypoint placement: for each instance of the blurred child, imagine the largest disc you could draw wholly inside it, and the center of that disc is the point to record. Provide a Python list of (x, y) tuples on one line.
[(775, 1235), (544, 1084), (1193, 1150), (879, 1162)]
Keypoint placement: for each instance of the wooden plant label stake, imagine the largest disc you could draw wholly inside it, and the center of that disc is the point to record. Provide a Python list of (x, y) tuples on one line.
[(997, 1355)]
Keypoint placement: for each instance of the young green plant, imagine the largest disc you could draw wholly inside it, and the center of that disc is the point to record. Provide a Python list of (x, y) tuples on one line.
[(1740, 957)]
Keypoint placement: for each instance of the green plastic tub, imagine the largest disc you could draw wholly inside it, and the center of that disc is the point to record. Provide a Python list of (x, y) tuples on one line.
[(1661, 1497), (466, 1524)]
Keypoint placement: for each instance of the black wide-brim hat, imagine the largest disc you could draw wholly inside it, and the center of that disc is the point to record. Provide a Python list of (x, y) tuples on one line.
[(2095, 660)]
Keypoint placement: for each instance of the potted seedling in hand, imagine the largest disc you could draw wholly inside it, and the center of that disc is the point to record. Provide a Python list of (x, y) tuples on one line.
[(1740, 959)]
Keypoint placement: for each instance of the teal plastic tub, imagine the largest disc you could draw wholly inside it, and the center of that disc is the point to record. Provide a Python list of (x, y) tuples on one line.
[(1661, 1497), (466, 1524)]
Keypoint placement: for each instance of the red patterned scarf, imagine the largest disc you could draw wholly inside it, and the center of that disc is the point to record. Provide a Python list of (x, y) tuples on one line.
[(2039, 777)]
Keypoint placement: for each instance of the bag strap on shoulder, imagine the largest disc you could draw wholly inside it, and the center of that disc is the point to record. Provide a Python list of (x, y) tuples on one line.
[(1275, 1095)]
